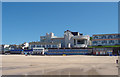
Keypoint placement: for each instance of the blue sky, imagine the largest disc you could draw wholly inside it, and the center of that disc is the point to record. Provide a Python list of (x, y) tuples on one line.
[(27, 21)]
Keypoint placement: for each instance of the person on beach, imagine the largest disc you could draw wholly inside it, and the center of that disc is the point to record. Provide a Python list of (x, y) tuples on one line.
[(117, 61)]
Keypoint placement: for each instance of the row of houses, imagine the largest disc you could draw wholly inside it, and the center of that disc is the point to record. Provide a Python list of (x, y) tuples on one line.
[(7, 48), (76, 40), (70, 40), (68, 51)]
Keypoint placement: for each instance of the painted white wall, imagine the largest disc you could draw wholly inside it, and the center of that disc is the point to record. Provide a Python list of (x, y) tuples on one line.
[(67, 41), (5, 46)]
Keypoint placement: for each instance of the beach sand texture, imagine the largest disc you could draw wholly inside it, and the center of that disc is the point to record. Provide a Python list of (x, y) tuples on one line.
[(59, 65)]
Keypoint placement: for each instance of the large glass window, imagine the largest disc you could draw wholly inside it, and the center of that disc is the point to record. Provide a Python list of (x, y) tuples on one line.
[(80, 41)]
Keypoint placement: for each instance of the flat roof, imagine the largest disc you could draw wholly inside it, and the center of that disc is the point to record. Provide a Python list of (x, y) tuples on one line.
[(44, 43), (105, 34), (104, 39), (58, 38)]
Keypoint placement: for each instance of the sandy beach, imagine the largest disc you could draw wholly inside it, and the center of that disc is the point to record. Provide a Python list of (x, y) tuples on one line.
[(59, 65)]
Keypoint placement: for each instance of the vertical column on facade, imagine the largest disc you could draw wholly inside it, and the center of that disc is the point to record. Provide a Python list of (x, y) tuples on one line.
[(45, 46), (30, 46), (35, 46), (86, 42), (76, 41), (41, 45), (58, 46), (51, 46)]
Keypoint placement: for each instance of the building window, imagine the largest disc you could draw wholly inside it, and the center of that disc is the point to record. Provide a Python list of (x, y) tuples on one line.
[(119, 41), (110, 37), (80, 41), (103, 37), (104, 42), (118, 35), (38, 45), (54, 46), (94, 42), (111, 41), (32, 45), (43, 46), (115, 36), (95, 37), (48, 46)]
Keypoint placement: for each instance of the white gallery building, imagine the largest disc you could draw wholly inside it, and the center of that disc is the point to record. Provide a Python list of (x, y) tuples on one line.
[(70, 40)]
